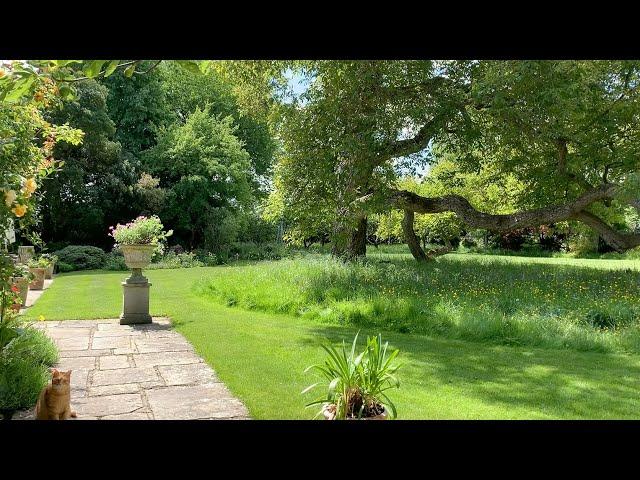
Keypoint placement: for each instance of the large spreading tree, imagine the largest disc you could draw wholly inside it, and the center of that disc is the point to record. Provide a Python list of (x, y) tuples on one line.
[(567, 130)]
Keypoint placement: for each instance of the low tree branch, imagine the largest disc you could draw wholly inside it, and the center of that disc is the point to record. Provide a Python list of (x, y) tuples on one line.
[(501, 223), (417, 143), (617, 240)]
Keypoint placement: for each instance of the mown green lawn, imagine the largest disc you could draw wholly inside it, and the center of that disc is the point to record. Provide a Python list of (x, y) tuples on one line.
[(262, 356)]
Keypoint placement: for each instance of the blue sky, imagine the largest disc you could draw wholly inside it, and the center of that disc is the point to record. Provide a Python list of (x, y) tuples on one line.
[(296, 83)]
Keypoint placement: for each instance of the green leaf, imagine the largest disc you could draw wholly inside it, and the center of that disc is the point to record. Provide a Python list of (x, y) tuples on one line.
[(334, 384), (20, 88), (128, 72), (310, 387), (67, 92), (113, 64), (62, 63), (93, 68), (190, 65)]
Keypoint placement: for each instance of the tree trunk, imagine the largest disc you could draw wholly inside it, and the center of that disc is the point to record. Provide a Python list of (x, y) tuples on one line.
[(411, 238), (349, 242), (358, 243)]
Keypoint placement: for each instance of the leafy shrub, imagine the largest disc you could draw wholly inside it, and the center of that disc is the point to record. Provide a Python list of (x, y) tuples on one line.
[(115, 261), (209, 259), (181, 260), (468, 241), (66, 267), (583, 244), (257, 251), (81, 257), (33, 345), (21, 381), (23, 368)]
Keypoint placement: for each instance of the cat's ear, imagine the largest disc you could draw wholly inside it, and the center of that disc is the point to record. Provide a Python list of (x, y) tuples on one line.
[(68, 373), (54, 371)]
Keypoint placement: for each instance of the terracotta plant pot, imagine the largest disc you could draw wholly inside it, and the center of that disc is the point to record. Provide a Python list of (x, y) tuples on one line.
[(22, 284), (137, 256), (329, 414), (48, 274), (38, 281), (25, 253)]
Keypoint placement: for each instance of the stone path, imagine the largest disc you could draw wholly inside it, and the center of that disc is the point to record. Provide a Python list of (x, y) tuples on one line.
[(137, 372)]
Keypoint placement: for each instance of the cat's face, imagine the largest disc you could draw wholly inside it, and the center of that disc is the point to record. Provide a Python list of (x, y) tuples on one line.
[(60, 379)]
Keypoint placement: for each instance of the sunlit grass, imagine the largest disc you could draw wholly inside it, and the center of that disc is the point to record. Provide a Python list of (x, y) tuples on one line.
[(557, 303), (262, 356)]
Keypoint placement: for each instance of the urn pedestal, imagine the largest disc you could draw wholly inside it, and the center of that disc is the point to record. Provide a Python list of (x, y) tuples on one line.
[(135, 289)]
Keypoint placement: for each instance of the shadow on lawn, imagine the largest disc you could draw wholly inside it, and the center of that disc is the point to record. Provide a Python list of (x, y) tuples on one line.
[(556, 383)]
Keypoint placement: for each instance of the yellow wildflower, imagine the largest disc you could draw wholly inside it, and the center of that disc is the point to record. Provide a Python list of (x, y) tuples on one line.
[(29, 187), (41, 318), (9, 197), (19, 210)]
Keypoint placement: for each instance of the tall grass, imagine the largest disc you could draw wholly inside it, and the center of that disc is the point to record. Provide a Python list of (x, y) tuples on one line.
[(556, 303)]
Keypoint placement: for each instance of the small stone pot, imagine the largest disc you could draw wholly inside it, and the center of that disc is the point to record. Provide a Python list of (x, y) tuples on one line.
[(38, 281), (22, 283), (48, 274), (137, 256)]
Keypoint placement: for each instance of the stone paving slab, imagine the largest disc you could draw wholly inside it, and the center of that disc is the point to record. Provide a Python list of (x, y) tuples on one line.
[(195, 402), (137, 372)]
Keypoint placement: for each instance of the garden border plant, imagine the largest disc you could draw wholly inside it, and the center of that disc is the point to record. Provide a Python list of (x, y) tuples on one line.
[(357, 382)]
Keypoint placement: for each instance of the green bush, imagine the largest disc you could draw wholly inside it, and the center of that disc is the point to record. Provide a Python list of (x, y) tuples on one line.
[(115, 261), (180, 260), (81, 257), (31, 344), (257, 251), (21, 381), (23, 368), (66, 267)]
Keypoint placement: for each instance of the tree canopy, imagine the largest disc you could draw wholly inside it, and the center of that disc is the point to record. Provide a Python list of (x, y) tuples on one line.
[(565, 130)]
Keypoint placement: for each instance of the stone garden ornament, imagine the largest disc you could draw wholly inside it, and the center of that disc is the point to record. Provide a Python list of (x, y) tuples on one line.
[(138, 240)]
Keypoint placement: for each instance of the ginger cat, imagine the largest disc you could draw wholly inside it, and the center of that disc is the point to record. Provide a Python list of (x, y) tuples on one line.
[(54, 401)]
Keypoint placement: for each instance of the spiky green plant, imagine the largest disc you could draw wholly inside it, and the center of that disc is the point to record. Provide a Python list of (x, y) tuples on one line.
[(357, 382)]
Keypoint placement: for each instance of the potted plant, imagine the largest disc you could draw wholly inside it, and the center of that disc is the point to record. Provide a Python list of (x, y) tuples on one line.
[(53, 259), (357, 382), (20, 284), (38, 267), (139, 239)]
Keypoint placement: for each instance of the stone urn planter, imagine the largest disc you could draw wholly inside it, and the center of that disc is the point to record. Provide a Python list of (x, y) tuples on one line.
[(26, 253), (137, 257), (135, 295), (329, 412), (48, 274), (38, 278), (22, 284)]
